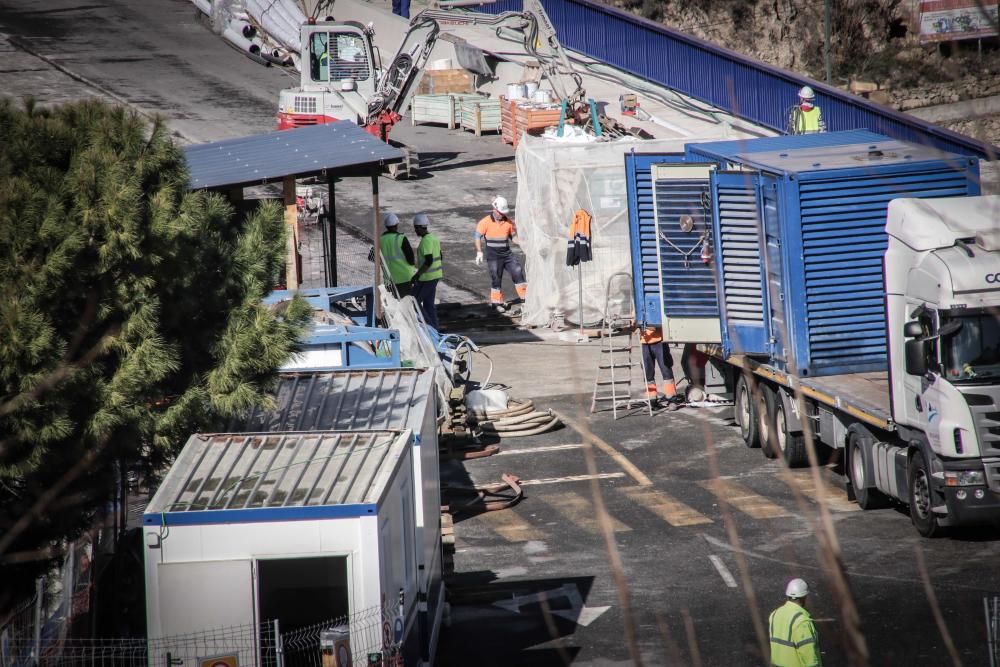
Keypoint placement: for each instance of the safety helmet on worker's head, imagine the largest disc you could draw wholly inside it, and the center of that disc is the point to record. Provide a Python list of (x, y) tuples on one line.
[(421, 220), (796, 589), (500, 204), (806, 93), (390, 220)]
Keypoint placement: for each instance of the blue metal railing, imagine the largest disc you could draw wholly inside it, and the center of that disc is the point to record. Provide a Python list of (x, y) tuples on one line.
[(740, 85)]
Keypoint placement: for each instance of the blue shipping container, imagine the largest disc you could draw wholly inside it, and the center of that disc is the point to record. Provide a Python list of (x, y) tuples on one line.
[(799, 237)]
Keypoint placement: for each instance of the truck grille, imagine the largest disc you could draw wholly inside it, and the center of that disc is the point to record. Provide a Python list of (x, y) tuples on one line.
[(305, 104), (984, 403), (993, 476)]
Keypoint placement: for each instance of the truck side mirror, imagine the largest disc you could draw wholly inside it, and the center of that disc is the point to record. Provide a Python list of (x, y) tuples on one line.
[(912, 329), (916, 356)]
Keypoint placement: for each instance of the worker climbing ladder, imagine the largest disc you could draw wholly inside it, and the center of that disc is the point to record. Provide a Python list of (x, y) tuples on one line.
[(616, 366)]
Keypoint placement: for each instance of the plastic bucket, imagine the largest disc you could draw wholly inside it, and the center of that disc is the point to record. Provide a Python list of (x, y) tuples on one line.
[(516, 91)]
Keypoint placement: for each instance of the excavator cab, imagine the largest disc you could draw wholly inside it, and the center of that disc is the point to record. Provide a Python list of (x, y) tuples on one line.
[(338, 76)]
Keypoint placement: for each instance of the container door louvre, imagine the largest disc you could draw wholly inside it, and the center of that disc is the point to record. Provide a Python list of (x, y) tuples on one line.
[(738, 262)]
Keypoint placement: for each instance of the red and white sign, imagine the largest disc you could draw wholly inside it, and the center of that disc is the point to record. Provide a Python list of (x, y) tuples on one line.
[(952, 20)]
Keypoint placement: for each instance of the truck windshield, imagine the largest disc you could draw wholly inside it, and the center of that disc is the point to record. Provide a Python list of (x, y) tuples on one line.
[(971, 354)]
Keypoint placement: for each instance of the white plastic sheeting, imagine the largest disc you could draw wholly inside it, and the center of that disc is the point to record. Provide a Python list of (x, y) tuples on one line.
[(415, 343), (554, 179)]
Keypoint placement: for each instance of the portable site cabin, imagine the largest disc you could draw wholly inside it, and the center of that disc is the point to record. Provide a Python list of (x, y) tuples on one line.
[(304, 528), (697, 241), (394, 399)]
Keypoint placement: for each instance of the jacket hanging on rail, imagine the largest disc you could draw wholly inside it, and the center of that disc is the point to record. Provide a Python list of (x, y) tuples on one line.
[(578, 247)]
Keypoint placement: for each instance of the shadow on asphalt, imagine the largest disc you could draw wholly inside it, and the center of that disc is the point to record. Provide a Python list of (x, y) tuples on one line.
[(536, 616)]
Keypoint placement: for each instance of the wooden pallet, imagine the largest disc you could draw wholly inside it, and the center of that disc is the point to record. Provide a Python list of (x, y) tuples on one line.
[(443, 81)]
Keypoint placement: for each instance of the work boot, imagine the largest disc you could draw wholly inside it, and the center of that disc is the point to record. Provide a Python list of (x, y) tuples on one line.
[(651, 391)]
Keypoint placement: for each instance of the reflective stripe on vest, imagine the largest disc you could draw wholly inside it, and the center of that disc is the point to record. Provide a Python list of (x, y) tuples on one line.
[(784, 648), (430, 245), (497, 234), (400, 271)]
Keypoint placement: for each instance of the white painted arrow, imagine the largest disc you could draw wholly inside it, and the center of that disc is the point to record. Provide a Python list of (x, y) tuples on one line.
[(578, 612)]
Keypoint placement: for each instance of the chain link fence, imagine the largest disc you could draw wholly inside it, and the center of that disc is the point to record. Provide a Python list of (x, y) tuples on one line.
[(369, 637)]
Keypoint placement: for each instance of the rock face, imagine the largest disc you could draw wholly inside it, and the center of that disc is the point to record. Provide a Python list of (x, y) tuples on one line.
[(872, 40)]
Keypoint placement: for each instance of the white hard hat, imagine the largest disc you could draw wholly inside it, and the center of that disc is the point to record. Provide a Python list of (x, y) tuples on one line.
[(500, 204), (421, 220), (390, 220), (806, 93), (796, 589)]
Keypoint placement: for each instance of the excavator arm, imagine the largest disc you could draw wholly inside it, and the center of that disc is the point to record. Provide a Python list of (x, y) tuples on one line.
[(399, 80)]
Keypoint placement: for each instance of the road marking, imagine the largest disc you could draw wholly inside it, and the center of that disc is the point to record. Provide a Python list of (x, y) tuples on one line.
[(580, 510), (535, 450), (578, 612), (743, 499), (511, 527), (835, 498), (723, 571), (619, 458), (570, 478), (665, 506)]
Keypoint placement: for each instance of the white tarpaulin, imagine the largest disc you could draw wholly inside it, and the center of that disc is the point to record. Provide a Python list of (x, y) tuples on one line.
[(554, 179)]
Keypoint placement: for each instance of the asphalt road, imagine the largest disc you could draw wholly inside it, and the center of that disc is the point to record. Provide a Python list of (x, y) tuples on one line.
[(707, 532), (683, 588)]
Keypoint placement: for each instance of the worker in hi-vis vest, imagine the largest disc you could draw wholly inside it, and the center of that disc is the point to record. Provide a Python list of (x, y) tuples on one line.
[(497, 231), (429, 269), (805, 117), (794, 642), (398, 255)]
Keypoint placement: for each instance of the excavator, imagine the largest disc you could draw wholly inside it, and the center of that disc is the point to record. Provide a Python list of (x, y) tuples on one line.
[(342, 78)]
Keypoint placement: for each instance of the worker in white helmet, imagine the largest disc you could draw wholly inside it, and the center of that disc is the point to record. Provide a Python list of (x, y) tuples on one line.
[(398, 255), (806, 117), (794, 642), (429, 269), (496, 232)]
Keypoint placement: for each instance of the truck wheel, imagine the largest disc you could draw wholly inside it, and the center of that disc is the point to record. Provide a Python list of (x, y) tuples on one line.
[(745, 413), (791, 445), (860, 471), (921, 501), (765, 400)]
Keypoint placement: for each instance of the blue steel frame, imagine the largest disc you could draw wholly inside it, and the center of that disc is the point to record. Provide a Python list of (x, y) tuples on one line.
[(353, 356), (737, 84), (324, 298)]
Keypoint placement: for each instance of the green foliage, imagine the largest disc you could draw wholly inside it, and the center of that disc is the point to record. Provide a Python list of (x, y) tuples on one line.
[(130, 314)]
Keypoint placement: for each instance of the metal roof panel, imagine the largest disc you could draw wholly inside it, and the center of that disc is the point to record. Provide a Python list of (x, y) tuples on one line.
[(271, 156)]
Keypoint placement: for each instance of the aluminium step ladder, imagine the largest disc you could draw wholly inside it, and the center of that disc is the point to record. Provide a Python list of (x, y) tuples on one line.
[(616, 367)]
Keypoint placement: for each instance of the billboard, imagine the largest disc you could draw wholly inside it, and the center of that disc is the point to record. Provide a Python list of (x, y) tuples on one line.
[(951, 20)]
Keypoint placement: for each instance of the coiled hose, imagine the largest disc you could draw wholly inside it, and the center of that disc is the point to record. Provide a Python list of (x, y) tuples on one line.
[(518, 420)]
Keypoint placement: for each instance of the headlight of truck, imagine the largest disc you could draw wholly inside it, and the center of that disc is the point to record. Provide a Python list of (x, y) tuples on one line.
[(964, 478)]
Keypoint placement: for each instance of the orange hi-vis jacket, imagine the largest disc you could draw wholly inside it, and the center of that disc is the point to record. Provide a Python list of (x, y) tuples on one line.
[(578, 247), (651, 335), (497, 234)]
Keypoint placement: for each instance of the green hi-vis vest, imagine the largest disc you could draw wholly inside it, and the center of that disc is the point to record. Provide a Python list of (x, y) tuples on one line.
[(400, 271), (794, 642), (807, 122), (430, 245)]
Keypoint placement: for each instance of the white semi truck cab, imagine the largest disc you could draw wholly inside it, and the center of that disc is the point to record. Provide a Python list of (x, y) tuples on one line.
[(942, 276)]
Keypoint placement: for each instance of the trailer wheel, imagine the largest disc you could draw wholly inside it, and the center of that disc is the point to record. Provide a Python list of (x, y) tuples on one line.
[(860, 470), (921, 502), (791, 445), (765, 400), (745, 412)]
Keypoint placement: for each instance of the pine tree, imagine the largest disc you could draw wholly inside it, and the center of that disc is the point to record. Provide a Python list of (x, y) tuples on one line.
[(130, 314)]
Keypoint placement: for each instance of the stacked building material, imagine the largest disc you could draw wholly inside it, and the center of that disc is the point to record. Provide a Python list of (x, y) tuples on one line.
[(443, 81), (520, 116), (440, 108), (479, 115)]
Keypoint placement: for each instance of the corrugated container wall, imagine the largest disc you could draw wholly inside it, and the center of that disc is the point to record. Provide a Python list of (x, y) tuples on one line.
[(817, 211)]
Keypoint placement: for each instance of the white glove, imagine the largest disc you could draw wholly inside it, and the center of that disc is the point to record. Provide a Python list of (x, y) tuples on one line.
[(479, 257)]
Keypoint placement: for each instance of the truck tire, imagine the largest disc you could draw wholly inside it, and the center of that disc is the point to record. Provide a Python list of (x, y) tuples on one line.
[(745, 412), (921, 501), (791, 445), (859, 470), (765, 399)]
